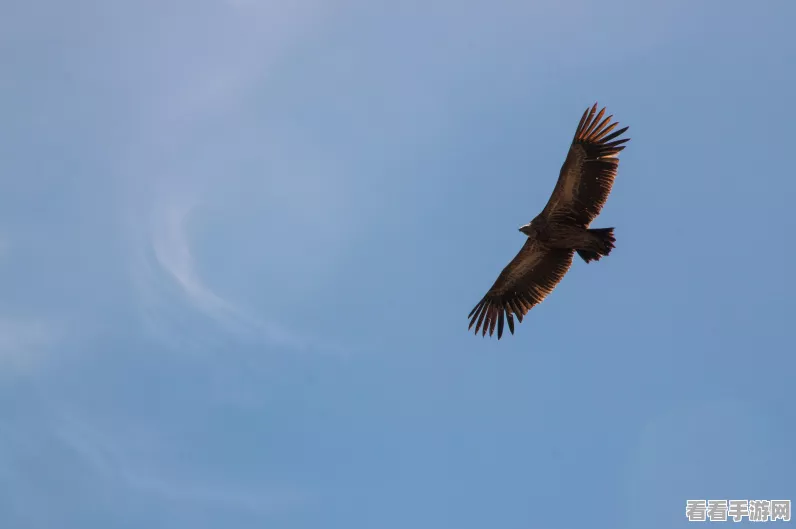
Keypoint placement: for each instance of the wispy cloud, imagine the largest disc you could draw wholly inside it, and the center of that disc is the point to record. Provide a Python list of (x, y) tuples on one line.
[(135, 460), (171, 261), (173, 253), (171, 170), (23, 343), (167, 275)]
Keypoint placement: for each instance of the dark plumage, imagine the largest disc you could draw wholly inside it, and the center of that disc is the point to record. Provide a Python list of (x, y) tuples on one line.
[(561, 229)]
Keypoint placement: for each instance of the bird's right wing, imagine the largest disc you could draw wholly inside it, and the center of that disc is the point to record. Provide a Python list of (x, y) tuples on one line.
[(588, 173), (524, 283)]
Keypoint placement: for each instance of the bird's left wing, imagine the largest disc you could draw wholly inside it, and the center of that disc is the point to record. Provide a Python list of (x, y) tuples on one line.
[(524, 283)]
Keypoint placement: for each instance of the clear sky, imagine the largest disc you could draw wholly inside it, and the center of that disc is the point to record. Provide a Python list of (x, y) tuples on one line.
[(239, 241)]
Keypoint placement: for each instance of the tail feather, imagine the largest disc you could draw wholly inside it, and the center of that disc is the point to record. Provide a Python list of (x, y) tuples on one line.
[(606, 239)]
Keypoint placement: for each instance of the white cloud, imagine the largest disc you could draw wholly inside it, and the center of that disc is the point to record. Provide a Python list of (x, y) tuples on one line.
[(167, 172), (133, 458), (205, 60), (166, 278), (23, 343), (173, 255)]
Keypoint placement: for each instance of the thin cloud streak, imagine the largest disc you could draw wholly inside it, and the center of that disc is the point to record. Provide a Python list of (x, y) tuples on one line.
[(165, 260), (23, 343), (160, 199), (173, 255), (114, 457)]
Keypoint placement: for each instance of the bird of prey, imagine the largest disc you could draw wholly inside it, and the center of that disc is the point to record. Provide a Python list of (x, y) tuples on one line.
[(561, 229)]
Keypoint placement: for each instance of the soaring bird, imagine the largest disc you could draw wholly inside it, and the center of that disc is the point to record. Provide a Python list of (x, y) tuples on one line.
[(561, 229)]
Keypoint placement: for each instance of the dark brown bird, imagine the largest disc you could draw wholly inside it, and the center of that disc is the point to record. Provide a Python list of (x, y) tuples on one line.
[(561, 229)]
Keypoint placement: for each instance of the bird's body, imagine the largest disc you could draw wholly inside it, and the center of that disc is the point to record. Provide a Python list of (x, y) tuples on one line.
[(560, 230)]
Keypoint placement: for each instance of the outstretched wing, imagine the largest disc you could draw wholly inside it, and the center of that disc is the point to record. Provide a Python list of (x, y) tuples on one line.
[(587, 176), (525, 282)]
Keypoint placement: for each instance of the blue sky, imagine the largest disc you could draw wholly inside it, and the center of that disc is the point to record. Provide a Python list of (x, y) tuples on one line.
[(239, 241)]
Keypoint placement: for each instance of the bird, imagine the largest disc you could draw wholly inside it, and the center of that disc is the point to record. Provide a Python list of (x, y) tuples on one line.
[(561, 229)]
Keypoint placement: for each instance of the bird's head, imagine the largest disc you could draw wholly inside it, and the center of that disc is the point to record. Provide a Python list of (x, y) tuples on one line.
[(526, 229)]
